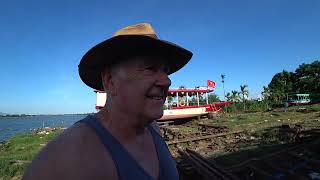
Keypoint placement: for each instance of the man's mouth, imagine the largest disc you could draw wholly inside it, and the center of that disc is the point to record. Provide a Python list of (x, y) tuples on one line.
[(159, 95)]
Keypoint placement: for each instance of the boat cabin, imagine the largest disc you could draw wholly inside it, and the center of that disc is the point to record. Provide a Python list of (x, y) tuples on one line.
[(299, 99), (180, 103)]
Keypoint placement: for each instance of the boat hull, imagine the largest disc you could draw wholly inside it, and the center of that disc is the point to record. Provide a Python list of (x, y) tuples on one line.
[(182, 113)]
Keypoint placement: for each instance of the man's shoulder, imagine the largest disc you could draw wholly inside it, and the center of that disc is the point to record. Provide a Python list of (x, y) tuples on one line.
[(77, 137), (71, 153)]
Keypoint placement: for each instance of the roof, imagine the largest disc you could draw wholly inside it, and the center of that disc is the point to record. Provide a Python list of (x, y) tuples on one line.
[(190, 90), (180, 90)]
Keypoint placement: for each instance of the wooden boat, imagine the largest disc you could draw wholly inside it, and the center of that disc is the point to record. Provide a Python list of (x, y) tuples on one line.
[(180, 103), (188, 103), (170, 114)]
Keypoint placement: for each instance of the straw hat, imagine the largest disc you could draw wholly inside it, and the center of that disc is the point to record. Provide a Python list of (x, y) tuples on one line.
[(139, 39)]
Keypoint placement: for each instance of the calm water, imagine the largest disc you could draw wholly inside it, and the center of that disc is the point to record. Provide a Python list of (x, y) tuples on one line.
[(10, 126)]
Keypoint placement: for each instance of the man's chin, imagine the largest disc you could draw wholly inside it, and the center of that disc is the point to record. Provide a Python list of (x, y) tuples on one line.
[(155, 116)]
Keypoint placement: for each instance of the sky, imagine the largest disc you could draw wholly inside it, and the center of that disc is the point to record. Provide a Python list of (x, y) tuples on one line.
[(248, 41)]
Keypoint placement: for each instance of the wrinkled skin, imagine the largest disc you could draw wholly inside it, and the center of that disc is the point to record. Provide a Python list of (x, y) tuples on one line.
[(134, 83)]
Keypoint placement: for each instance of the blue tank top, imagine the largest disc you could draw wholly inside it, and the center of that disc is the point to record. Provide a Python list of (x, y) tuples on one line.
[(127, 167)]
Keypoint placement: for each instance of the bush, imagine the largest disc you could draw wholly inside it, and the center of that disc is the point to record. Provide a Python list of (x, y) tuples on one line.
[(251, 106), (277, 105)]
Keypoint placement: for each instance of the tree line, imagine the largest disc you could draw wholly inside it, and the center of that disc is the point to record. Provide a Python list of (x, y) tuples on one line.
[(305, 79)]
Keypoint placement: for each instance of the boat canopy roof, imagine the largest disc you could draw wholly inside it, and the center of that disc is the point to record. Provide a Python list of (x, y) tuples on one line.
[(297, 94), (190, 90), (184, 90)]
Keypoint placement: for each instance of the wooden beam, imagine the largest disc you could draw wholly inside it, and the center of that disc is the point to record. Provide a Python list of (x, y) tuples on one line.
[(202, 137)]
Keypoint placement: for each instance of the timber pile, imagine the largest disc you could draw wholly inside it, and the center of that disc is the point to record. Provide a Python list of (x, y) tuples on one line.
[(207, 169)]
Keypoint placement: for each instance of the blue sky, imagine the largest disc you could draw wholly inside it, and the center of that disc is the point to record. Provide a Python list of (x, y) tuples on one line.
[(248, 41)]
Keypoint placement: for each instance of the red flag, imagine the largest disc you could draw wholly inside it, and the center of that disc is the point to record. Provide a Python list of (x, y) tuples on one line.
[(211, 83)]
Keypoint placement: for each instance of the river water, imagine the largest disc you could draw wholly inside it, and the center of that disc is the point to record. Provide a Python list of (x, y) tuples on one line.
[(10, 126)]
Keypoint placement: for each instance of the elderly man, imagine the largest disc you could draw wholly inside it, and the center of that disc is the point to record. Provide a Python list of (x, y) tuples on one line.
[(122, 141)]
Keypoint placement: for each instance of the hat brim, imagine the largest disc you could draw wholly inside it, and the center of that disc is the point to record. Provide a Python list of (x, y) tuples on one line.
[(117, 48)]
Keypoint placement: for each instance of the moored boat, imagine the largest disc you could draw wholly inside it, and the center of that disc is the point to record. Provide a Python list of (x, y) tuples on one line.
[(180, 103)]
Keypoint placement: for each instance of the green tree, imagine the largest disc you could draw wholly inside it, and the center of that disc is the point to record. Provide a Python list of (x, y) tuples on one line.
[(266, 96), (234, 96), (244, 91), (228, 96), (308, 78), (281, 85), (213, 98), (305, 79), (265, 93)]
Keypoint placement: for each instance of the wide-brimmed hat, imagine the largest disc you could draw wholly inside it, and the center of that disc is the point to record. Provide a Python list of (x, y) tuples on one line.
[(139, 39)]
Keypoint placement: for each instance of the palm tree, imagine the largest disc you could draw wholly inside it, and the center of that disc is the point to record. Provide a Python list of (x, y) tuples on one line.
[(234, 96), (265, 93), (182, 87), (228, 96), (224, 92), (244, 91)]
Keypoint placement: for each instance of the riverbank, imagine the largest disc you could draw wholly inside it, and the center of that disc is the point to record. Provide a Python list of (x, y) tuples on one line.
[(10, 126), (17, 152)]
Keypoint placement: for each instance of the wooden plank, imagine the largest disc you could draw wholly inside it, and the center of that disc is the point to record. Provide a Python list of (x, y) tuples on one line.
[(202, 137), (213, 167), (198, 167)]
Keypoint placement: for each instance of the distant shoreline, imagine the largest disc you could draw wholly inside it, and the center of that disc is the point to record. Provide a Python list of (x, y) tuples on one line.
[(16, 115), (30, 115)]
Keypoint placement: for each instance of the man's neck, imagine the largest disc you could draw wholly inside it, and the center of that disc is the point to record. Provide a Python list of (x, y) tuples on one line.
[(123, 126)]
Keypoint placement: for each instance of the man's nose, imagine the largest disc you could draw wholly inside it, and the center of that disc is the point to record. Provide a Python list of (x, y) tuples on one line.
[(163, 79)]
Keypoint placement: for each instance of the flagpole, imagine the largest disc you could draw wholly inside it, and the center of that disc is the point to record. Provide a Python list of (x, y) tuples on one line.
[(207, 94)]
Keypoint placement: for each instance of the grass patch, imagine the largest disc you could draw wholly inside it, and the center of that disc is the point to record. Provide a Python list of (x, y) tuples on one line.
[(188, 130), (17, 153), (315, 107), (263, 119), (262, 124)]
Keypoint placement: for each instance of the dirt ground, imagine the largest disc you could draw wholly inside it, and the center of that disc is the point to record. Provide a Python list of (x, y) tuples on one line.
[(230, 139)]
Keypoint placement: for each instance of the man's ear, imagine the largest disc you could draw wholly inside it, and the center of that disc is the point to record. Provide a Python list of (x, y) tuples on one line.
[(108, 82)]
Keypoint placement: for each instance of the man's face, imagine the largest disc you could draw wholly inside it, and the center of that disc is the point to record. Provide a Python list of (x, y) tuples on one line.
[(141, 86)]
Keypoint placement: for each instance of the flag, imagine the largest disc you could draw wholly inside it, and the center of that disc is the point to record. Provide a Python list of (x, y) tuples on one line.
[(211, 83)]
